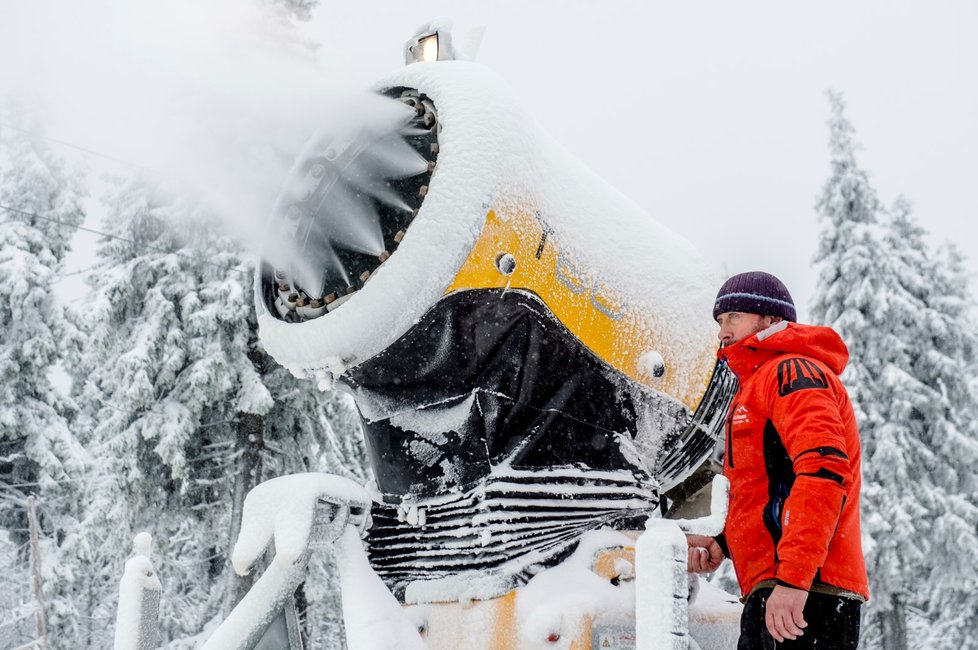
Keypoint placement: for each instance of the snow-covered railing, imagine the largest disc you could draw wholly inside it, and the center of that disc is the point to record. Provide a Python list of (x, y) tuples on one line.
[(301, 513)]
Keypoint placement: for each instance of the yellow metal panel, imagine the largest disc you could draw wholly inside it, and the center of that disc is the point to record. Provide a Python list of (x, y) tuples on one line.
[(505, 631), (491, 624), (473, 625), (588, 306), (606, 562)]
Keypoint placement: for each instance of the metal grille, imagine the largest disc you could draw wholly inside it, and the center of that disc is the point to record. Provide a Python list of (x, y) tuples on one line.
[(693, 444), (503, 527)]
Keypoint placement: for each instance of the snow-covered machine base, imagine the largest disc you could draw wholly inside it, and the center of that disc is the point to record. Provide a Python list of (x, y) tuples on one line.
[(603, 592)]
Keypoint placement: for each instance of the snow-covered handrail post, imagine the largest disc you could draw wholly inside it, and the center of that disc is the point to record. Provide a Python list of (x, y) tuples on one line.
[(662, 587), (662, 618), (137, 619), (711, 525), (300, 513)]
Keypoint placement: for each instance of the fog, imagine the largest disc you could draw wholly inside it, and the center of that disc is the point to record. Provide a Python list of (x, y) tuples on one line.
[(212, 98)]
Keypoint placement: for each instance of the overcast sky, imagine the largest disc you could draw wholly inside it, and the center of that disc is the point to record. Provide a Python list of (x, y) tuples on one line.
[(711, 115)]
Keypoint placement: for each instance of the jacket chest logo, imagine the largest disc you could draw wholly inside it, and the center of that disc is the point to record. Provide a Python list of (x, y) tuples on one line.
[(740, 417)]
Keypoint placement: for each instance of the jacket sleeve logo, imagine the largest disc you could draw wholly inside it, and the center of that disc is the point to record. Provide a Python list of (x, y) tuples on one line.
[(799, 374)]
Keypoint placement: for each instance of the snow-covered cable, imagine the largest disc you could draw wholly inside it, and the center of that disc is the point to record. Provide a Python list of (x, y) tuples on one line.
[(91, 152)]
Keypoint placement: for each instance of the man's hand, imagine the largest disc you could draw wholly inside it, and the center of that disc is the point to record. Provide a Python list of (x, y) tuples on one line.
[(784, 617), (705, 555)]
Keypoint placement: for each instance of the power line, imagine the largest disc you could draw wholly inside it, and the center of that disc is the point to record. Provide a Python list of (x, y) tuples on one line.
[(158, 249), (80, 148), (114, 159)]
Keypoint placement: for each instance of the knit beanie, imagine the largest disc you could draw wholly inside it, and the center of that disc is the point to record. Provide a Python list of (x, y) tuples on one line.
[(755, 292)]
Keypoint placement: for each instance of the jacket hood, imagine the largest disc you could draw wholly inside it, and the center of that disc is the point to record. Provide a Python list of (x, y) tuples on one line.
[(820, 343)]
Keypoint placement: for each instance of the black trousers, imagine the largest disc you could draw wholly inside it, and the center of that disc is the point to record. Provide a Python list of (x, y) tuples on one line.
[(833, 624)]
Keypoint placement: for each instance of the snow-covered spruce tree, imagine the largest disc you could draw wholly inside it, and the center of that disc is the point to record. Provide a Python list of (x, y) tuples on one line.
[(852, 297), (947, 426), (902, 313), (183, 412), (39, 454)]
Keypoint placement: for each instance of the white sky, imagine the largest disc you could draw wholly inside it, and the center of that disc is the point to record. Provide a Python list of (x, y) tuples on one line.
[(710, 115)]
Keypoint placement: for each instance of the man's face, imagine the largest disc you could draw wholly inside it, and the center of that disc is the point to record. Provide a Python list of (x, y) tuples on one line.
[(736, 326)]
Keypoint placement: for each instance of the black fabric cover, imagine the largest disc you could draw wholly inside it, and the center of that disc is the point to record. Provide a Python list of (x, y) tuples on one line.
[(539, 397)]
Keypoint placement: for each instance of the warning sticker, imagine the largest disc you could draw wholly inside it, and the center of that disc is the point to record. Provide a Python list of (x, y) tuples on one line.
[(612, 637)]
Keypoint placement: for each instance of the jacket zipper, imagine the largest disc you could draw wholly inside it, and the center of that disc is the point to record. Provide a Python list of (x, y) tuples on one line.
[(730, 413)]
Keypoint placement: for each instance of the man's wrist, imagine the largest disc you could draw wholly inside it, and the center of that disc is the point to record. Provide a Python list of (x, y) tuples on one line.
[(722, 542)]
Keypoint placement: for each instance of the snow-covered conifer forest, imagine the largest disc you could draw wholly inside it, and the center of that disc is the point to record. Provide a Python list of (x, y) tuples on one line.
[(145, 402), (174, 411), (906, 312)]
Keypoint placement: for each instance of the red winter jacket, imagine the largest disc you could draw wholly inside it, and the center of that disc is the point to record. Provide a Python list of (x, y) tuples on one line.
[(793, 461)]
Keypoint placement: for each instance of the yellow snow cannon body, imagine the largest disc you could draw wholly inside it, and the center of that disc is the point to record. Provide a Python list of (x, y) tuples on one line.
[(531, 353)]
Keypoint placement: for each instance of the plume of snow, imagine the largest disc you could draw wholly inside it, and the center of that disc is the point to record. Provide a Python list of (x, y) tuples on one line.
[(215, 96)]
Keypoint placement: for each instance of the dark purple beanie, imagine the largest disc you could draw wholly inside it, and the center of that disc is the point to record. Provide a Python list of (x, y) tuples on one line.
[(755, 292)]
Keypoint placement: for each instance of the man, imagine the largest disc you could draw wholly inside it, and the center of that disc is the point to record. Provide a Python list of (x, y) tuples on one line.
[(792, 456)]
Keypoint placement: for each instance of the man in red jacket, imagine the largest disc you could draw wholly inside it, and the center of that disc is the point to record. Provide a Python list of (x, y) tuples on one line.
[(792, 456)]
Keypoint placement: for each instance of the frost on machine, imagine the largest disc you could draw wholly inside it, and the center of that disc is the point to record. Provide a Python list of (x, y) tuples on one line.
[(530, 352)]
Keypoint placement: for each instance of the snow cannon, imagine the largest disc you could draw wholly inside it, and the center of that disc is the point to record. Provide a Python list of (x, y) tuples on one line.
[(531, 353)]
